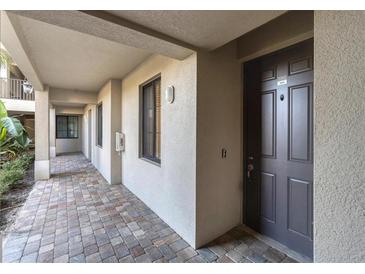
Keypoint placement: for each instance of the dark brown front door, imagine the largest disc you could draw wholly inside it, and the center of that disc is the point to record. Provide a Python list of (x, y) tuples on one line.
[(279, 148)]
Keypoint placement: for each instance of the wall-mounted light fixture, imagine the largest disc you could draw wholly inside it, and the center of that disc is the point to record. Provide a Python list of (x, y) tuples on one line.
[(170, 94), (27, 87)]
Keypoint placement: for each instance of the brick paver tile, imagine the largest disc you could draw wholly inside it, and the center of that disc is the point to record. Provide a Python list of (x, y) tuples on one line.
[(186, 253), (154, 253), (143, 259), (106, 251), (30, 258), (91, 249), (121, 251), (76, 216), (46, 257), (179, 245), (93, 258), (80, 258), (207, 254), (137, 251), (46, 248), (273, 255), (62, 259), (167, 252), (127, 259)]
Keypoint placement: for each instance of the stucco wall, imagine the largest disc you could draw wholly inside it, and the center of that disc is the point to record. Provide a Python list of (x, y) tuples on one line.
[(102, 159), (169, 189), (115, 126), (285, 30), (89, 137), (339, 136), (63, 96), (219, 126), (19, 105), (69, 145), (106, 159)]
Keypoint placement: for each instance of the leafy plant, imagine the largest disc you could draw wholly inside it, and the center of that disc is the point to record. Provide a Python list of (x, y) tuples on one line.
[(13, 136), (14, 170), (6, 60)]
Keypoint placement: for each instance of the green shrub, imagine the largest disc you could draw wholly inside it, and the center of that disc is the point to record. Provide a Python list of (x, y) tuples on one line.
[(9, 177), (22, 162), (14, 170)]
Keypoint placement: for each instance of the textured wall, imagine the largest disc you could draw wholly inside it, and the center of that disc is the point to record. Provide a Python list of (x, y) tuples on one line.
[(169, 189), (285, 30), (102, 154), (339, 139), (219, 125), (89, 138), (69, 145), (106, 159)]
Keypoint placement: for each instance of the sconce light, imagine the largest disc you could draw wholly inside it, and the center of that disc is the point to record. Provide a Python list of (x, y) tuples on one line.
[(27, 87), (170, 94)]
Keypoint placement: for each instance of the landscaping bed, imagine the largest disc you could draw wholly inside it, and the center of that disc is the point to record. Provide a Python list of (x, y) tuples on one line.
[(16, 181)]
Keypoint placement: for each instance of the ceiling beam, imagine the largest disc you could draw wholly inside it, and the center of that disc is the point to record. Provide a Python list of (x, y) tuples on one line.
[(110, 27), (13, 40), (66, 96)]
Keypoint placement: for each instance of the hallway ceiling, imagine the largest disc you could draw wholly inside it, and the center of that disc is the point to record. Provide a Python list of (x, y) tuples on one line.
[(203, 29), (81, 50), (73, 60)]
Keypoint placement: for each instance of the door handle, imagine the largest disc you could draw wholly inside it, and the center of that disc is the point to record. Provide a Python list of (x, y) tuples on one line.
[(250, 168)]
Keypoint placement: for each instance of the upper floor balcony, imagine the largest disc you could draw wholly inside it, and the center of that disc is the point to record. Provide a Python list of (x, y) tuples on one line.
[(14, 89)]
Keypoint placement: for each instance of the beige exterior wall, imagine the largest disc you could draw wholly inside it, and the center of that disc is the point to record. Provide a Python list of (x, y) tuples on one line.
[(66, 96), (41, 117), (19, 105), (88, 142), (169, 189), (52, 132), (106, 159), (288, 29), (219, 126), (339, 151), (115, 126), (69, 145)]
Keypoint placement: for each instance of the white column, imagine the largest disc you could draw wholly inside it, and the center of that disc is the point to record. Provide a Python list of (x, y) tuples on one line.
[(52, 131), (42, 163)]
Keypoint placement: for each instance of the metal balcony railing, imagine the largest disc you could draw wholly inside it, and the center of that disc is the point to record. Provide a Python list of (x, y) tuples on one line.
[(13, 89)]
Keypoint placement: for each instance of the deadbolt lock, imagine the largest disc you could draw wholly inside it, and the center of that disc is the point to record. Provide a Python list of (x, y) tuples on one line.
[(249, 170)]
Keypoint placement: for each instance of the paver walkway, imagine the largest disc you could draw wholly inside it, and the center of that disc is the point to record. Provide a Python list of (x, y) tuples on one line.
[(77, 217)]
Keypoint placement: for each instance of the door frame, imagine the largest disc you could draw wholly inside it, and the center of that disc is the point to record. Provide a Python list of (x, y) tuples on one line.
[(246, 116)]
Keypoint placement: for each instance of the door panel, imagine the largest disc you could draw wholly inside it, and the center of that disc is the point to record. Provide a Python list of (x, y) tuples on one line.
[(279, 150), (268, 194), (298, 205), (268, 118), (300, 109)]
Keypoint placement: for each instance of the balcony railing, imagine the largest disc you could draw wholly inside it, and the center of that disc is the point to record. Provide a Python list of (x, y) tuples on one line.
[(13, 89)]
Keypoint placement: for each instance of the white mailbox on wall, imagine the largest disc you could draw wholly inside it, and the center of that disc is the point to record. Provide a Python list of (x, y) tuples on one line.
[(119, 141)]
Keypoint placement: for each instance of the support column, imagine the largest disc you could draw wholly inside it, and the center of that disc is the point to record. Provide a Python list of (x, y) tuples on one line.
[(52, 131), (42, 163)]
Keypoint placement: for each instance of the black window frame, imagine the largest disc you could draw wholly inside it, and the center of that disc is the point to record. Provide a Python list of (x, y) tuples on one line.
[(99, 125), (67, 130), (142, 155)]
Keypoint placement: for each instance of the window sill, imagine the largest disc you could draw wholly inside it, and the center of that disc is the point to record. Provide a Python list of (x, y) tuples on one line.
[(151, 161)]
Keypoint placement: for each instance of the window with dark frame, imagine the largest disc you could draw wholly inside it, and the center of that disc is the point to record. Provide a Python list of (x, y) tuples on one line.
[(67, 127), (150, 126), (99, 127)]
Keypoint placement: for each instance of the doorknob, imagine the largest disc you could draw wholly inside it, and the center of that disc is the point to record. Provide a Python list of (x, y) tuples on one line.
[(249, 170)]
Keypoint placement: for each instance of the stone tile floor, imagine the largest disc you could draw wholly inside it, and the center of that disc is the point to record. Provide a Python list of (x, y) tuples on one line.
[(77, 217)]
